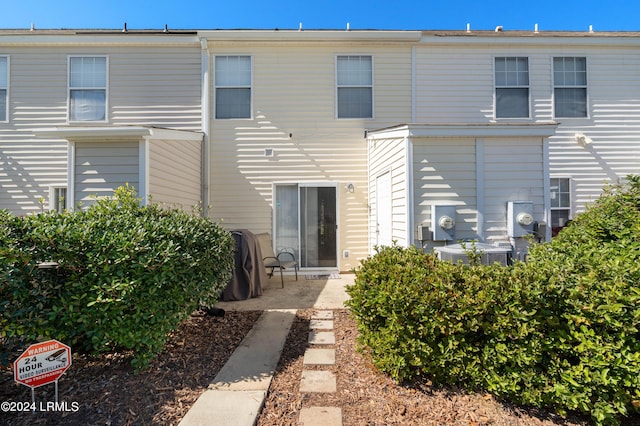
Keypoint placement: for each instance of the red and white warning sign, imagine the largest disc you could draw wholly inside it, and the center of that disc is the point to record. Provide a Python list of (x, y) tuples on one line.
[(42, 363)]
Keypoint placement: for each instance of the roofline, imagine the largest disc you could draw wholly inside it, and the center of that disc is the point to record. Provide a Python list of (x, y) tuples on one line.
[(310, 35), (65, 37)]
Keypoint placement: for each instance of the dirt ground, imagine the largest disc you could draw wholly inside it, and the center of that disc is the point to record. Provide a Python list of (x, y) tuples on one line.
[(109, 393)]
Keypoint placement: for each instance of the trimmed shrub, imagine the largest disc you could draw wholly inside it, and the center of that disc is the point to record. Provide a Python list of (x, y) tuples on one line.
[(560, 331), (127, 274)]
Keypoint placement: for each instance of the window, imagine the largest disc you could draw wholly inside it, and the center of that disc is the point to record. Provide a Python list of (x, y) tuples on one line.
[(57, 198), (570, 87), (87, 88), (512, 87), (355, 86), (4, 87), (233, 86), (560, 203)]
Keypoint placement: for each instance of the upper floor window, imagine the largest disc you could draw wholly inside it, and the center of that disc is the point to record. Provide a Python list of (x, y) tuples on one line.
[(512, 87), (355, 86), (560, 203), (4, 87), (570, 86), (87, 88), (233, 86)]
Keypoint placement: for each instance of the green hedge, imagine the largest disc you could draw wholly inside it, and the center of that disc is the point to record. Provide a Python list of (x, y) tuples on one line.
[(128, 275), (560, 331)]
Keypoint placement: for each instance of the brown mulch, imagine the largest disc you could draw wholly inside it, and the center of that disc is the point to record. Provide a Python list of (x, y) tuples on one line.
[(109, 393), (368, 397)]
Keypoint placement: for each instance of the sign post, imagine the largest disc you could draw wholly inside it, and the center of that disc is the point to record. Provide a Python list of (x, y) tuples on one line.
[(41, 364)]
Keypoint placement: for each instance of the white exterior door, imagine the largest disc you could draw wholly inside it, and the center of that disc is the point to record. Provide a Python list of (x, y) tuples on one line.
[(383, 209)]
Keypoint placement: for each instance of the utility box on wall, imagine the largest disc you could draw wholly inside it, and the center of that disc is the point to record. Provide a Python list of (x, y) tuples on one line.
[(519, 218), (443, 222)]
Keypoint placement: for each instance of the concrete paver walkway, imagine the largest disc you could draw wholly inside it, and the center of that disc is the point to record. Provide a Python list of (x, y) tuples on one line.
[(237, 394), (320, 380)]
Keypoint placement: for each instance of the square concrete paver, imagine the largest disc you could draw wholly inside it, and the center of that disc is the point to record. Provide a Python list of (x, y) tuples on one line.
[(318, 381), (320, 416), (319, 357), (321, 324), (322, 338), (322, 315)]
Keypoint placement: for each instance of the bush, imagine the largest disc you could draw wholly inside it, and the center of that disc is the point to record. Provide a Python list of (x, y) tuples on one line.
[(127, 274), (561, 331)]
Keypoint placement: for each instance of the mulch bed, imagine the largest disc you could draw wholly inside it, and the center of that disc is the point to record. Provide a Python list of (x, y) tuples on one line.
[(109, 393), (368, 397)]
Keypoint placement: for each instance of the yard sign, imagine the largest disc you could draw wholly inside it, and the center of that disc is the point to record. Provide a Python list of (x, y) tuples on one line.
[(42, 363)]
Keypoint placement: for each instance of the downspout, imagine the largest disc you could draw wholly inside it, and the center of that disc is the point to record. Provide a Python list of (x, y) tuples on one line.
[(546, 187), (410, 204), (413, 84), (480, 201), (206, 127), (143, 170), (71, 176)]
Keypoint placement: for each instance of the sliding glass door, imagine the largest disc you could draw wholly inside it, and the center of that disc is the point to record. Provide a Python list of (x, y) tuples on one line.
[(306, 222)]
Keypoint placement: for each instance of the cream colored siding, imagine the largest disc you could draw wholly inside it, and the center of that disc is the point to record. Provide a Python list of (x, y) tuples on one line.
[(390, 156), (159, 87), (175, 173), (149, 84), (444, 173), (453, 86), (294, 113), (101, 167)]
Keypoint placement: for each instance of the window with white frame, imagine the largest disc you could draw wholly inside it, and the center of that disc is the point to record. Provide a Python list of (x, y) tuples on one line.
[(87, 88), (512, 87), (233, 86), (570, 87), (57, 198), (4, 88), (355, 86), (560, 203)]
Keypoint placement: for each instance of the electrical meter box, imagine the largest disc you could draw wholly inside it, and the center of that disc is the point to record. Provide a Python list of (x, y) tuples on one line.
[(443, 222), (519, 218)]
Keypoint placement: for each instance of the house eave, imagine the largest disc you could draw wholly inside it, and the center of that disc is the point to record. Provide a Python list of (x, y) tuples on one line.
[(102, 133), (465, 130)]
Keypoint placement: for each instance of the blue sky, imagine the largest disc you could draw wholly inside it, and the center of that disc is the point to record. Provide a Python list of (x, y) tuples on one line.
[(329, 14)]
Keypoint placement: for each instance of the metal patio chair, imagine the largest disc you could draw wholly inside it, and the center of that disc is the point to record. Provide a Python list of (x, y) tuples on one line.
[(283, 260)]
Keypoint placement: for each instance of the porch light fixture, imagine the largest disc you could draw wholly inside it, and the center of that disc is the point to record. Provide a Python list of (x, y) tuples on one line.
[(350, 188)]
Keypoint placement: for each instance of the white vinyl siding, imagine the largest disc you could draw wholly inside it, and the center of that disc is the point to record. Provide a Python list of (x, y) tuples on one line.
[(512, 87), (355, 86), (88, 76), (175, 173), (233, 86), (390, 156), (444, 173), (4, 88), (513, 171), (570, 87), (101, 167)]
